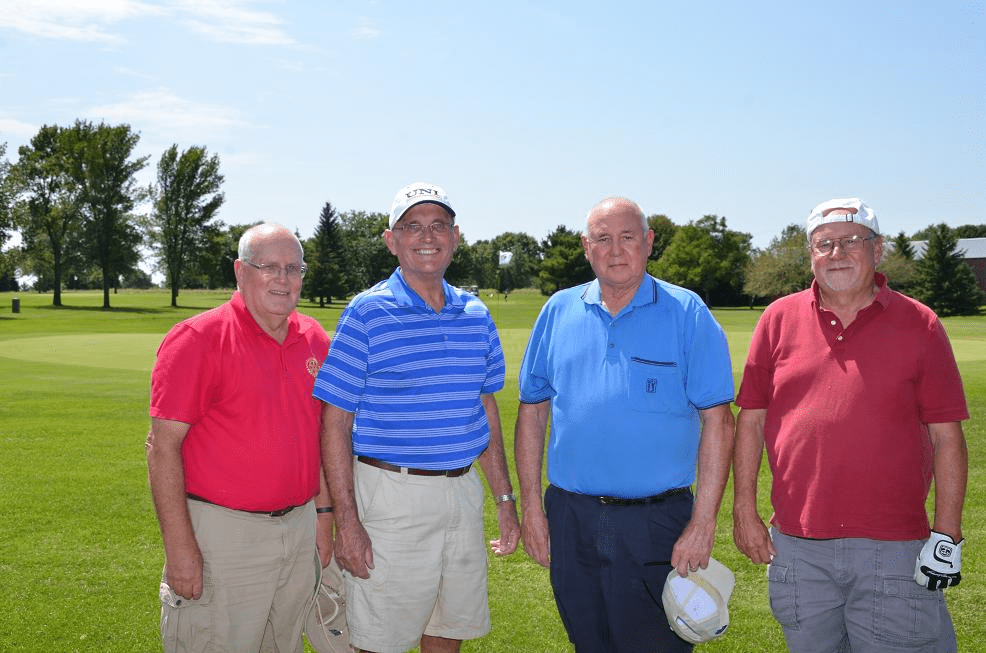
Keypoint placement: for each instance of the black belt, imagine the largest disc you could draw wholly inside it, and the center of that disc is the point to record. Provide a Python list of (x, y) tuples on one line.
[(268, 513), (451, 473), (657, 498)]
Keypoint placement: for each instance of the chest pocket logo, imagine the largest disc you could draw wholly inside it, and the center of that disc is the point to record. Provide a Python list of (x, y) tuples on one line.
[(657, 387)]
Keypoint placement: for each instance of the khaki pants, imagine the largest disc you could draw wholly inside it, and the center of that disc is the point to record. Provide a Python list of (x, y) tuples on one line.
[(258, 580)]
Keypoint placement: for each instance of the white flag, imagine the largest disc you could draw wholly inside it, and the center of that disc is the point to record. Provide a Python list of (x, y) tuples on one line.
[(506, 257)]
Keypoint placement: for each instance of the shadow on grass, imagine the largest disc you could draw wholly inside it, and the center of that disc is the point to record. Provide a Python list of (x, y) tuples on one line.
[(124, 309)]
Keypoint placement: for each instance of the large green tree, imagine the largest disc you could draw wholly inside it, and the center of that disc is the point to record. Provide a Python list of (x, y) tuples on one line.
[(6, 196), (8, 262), (483, 257), (944, 281), (564, 264), (101, 164), (783, 268), (367, 259), (706, 257), (186, 199), (49, 208), (325, 278), (524, 264), (664, 231)]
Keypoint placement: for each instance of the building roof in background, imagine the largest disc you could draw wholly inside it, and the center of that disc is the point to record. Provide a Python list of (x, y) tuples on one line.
[(973, 247)]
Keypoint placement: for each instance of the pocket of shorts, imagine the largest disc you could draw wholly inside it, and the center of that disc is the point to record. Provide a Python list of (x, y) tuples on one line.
[(906, 614), (783, 595), (657, 387)]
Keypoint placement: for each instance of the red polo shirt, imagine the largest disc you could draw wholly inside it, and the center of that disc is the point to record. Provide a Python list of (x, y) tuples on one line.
[(847, 413), (254, 437)]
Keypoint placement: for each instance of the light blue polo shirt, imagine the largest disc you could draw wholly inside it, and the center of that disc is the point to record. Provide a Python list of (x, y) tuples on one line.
[(625, 391), (413, 377)]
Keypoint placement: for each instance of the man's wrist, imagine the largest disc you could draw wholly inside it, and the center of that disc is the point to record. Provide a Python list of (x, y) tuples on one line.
[(503, 498)]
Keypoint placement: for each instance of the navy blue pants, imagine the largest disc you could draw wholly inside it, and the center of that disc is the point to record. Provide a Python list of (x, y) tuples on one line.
[(608, 567)]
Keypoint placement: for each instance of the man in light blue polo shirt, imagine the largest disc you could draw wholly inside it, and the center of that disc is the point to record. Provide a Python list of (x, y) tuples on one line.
[(408, 390), (634, 374)]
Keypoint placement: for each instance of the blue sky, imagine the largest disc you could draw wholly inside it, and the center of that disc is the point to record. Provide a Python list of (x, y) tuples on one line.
[(528, 112)]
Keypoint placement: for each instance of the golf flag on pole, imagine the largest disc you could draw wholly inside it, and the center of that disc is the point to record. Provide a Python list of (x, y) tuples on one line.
[(506, 257)]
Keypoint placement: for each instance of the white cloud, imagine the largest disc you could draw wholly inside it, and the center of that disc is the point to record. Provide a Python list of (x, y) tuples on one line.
[(232, 21), (366, 30), (162, 109), (72, 20), (228, 21), (10, 126)]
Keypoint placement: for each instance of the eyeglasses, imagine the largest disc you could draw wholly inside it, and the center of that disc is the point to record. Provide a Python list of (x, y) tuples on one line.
[(415, 228), (847, 244), (273, 270)]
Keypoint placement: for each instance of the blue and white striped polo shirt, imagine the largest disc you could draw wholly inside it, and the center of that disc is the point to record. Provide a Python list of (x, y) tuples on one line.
[(412, 376)]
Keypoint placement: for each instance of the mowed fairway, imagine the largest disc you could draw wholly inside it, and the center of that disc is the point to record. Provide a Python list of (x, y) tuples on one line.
[(80, 552)]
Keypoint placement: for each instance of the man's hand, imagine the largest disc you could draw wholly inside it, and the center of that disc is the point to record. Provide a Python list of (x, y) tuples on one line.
[(939, 565), (694, 548), (506, 517), (752, 537), (183, 571), (353, 549), (534, 533)]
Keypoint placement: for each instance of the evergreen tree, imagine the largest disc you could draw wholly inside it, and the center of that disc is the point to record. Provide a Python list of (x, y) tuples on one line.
[(944, 281), (902, 245), (564, 264), (325, 278)]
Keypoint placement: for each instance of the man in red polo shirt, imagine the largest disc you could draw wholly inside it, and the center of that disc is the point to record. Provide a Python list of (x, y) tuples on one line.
[(855, 392), (234, 463)]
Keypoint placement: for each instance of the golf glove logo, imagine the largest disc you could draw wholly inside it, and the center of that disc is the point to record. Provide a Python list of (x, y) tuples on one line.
[(939, 565)]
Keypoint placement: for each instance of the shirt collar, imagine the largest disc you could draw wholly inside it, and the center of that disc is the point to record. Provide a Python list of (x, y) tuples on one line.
[(883, 294), (244, 315), (646, 293), (406, 296)]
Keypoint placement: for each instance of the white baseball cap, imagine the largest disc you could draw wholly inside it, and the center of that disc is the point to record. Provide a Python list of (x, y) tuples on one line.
[(418, 193), (860, 214), (696, 605)]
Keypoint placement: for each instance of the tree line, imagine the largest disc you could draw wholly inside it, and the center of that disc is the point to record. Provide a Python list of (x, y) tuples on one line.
[(72, 194)]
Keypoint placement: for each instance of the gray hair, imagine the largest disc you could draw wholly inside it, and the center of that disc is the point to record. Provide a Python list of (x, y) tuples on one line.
[(245, 248), (617, 199)]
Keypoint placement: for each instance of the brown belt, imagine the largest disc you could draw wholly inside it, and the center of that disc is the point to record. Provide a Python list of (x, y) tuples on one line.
[(268, 513), (451, 473)]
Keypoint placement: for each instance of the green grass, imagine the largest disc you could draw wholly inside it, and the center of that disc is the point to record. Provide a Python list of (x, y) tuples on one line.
[(80, 552)]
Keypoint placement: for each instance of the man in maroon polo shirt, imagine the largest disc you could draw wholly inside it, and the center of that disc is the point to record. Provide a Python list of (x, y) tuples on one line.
[(234, 462), (855, 393)]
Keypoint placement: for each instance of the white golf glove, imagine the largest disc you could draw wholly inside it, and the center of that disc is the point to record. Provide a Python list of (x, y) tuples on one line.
[(939, 564)]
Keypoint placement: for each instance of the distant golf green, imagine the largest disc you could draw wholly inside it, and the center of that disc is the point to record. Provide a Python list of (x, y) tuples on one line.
[(123, 351)]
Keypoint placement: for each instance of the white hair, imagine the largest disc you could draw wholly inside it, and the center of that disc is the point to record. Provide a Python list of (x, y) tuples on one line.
[(617, 199), (245, 248)]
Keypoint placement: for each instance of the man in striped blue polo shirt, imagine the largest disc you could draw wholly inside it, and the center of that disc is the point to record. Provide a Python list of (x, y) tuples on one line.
[(408, 391)]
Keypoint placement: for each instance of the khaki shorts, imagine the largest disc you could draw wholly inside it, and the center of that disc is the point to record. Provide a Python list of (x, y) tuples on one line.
[(429, 560), (258, 580)]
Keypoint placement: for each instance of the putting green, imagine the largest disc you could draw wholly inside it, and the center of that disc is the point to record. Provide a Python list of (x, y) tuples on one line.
[(125, 351), (967, 349)]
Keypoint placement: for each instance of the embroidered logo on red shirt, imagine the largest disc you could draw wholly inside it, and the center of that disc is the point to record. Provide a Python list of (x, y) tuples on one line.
[(313, 366)]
